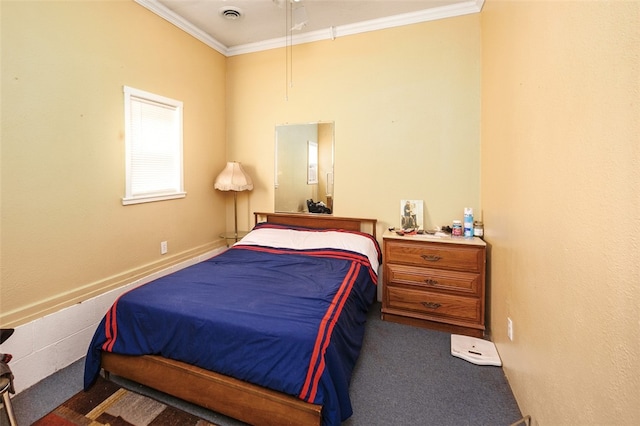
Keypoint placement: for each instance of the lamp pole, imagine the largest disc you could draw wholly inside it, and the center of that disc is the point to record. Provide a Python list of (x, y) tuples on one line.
[(235, 214)]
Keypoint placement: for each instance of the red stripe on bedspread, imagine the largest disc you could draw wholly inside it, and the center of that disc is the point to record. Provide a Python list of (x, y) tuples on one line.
[(323, 338), (316, 364), (111, 328), (335, 254)]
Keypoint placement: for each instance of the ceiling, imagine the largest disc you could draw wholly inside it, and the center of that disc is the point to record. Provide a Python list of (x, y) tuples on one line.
[(266, 24)]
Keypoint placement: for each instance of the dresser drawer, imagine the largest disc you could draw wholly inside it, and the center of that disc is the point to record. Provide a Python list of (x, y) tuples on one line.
[(436, 279), (435, 255), (433, 304)]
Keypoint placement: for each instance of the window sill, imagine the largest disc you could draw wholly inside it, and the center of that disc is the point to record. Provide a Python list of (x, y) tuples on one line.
[(152, 198)]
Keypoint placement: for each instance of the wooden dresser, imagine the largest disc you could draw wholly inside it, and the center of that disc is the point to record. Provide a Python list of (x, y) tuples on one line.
[(435, 282)]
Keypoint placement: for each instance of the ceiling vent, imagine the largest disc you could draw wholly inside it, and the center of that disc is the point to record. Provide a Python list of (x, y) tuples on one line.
[(231, 13)]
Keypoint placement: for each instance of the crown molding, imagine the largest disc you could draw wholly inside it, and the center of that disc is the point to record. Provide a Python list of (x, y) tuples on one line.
[(183, 24), (459, 9)]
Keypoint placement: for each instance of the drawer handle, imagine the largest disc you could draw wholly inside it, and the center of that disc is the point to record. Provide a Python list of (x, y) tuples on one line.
[(431, 305), (430, 257), (431, 282)]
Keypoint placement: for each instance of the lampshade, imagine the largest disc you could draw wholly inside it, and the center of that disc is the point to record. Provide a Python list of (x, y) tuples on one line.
[(233, 178)]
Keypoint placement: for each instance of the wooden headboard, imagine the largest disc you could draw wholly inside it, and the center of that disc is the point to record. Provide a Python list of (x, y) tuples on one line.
[(313, 220)]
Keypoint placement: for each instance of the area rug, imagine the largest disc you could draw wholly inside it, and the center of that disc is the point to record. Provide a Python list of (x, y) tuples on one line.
[(106, 403)]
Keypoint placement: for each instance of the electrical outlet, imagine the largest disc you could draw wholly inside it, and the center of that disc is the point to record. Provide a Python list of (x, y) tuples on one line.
[(163, 247), (510, 329)]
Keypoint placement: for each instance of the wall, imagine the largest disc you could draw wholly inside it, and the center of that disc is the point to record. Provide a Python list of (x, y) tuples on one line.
[(406, 107), (65, 235), (561, 200)]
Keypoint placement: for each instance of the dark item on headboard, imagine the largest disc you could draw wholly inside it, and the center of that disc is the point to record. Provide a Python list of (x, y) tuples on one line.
[(311, 220), (241, 400), (317, 207)]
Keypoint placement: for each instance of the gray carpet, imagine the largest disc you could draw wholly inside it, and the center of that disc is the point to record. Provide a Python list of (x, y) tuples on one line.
[(405, 376)]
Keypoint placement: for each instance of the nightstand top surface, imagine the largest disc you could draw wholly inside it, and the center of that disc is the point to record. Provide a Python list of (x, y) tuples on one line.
[(474, 241)]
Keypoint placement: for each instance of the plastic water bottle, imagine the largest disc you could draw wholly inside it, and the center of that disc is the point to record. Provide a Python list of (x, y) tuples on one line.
[(468, 222)]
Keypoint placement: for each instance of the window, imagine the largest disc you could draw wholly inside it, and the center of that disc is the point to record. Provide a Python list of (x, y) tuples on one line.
[(153, 147)]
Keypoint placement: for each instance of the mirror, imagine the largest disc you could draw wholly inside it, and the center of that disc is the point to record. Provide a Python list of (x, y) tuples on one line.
[(304, 167)]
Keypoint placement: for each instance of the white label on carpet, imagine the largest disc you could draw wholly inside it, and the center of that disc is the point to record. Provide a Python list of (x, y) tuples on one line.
[(474, 350)]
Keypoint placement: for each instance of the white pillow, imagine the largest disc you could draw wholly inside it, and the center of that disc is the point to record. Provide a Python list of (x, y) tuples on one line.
[(302, 240)]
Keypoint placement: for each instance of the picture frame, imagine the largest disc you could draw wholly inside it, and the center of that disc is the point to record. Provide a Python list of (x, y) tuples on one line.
[(312, 163), (412, 214)]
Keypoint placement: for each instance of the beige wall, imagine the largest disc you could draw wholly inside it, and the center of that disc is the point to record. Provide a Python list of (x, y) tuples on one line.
[(65, 234), (406, 107), (561, 199)]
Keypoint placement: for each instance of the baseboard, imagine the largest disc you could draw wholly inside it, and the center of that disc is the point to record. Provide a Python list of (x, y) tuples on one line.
[(52, 342)]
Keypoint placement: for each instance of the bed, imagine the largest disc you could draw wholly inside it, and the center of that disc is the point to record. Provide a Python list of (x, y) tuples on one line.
[(268, 332)]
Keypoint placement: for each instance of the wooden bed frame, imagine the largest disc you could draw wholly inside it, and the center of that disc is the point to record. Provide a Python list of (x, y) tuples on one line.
[(223, 394), (317, 220)]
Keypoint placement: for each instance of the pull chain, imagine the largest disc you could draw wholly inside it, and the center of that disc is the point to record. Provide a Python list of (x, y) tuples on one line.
[(287, 48)]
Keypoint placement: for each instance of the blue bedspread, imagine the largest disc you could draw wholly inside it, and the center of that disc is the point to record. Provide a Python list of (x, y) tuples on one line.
[(289, 320)]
